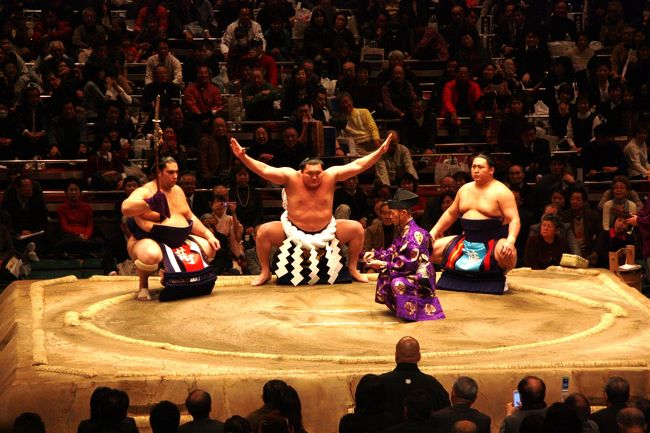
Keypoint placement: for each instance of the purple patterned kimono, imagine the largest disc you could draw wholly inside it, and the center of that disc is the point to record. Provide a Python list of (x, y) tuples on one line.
[(407, 284)]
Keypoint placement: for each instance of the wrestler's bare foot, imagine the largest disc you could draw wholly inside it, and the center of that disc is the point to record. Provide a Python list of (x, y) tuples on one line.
[(261, 279), (357, 276), (143, 295)]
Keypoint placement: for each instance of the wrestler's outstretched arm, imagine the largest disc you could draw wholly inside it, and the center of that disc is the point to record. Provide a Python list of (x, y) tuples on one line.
[(277, 175), (343, 172)]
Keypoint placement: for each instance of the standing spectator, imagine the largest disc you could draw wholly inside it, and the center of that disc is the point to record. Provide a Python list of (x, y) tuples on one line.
[(459, 98), (252, 30), (202, 99), (407, 377), (215, 158), (77, 224), (636, 154), (463, 395), (164, 57), (395, 162), (199, 405), (546, 249)]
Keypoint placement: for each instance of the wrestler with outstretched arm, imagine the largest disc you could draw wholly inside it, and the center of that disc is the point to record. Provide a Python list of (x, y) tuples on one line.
[(310, 196), (164, 205), (483, 199)]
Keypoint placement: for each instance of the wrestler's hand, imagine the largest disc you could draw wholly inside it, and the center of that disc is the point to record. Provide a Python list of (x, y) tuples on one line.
[(435, 235), (214, 243), (236, 148), (507, 250), (158, 203), (384, 146)]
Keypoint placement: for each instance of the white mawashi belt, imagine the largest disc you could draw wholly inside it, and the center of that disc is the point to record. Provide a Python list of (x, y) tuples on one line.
[(326, 238)]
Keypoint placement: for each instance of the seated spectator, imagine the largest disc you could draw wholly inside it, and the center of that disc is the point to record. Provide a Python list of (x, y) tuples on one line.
[(350, 202), (115, 120), (77, 225), (103, 169), (203, 56), (198, 202), (617, 392), (532, 391), (259, 96), (454, 107), (188, 133), (397, 94), (582, 124), (585, 224), (602, 157), (369, 399), (533, 60), (193, 18), (164, 57), (545, 249), (360, 126), (636, 154), (631, 420), (456, 28), (108, 412), (299, 88), (237, 424), (215, 157), (513, 124), (28, 422), (472, 53), (362, 90), (164, 417), (319, 37), (100, 88), (289, 407), (51, 27), (262, 148), (511, 33), (431, 46), (202, 99), (88, 34), (619, 204), (615, 238), (226, 228), (67, 132), (32, 120), (11, 83), (598, 88), (559, 26), (247, 200), (274, 10), (152, 10), (395, 162), (257, 58), (278, 40), (463, 395), (380, 233), (199, 405), (169, 146), (532, 153), (341, 54), (560, 113), (580, 56), (115, 247), (161, 85), (580, 405), (417, 409), (7, 131), (270, 393), (563, 230), (252, 30), (395, 58), (418, 128), (291, 151), (627, 116)]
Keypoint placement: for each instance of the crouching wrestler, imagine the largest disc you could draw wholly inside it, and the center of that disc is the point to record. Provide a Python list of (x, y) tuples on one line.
[(478, 260), (307, 225), (406, 281), (164, 229)]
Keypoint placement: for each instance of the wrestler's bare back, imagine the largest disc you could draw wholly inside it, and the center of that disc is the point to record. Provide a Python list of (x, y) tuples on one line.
[(310, 208)]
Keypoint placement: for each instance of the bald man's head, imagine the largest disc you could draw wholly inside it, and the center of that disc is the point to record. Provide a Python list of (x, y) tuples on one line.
[(407, 350), (463, 426)]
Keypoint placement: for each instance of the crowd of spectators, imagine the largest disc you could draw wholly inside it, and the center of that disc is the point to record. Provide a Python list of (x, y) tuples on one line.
[(404, 400), (526, 78)]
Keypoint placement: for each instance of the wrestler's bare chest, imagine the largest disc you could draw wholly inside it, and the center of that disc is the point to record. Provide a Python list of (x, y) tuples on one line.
[(480, 203)]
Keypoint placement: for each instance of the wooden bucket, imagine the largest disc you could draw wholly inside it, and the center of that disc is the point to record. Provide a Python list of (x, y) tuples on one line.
[(631, 276)]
